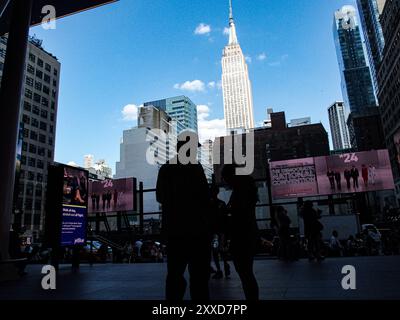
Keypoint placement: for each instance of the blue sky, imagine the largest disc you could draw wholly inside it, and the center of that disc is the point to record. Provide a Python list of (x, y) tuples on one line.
[(134, 51)]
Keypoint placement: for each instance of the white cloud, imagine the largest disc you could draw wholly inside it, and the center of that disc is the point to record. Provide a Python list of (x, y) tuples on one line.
[(248, 58), (202, 29), (130, 112), (192, 86), (209, 129), (226, 31), (203, 112), (262, 56), (211, 84)]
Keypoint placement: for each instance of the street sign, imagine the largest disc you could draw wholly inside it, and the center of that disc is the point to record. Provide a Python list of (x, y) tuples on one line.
[(63, 8)]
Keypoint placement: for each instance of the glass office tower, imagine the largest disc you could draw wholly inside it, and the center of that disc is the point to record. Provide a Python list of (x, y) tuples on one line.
[(357, 87)]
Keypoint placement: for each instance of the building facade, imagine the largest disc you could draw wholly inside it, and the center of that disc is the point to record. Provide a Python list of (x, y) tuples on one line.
[(280, 142), (370, 11), (236, 86), (357, 87), (38, 119), (389, 85), (181, 109), (339, 130)]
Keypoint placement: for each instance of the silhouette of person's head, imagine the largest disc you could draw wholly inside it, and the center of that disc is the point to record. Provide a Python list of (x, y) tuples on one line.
[(335, 233), (229, 174), (308, 205)]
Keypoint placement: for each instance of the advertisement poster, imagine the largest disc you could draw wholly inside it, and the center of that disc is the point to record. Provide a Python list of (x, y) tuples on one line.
[(74, 207), (337, 174), (293, 178), (112, 195)]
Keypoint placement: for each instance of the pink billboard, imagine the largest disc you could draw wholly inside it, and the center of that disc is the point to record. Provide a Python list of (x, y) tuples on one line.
[(112, 195), (337, 174)]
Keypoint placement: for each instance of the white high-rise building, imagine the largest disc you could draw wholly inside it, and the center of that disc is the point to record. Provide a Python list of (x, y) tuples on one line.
[(339, 130), (88, 161), (236, 86)]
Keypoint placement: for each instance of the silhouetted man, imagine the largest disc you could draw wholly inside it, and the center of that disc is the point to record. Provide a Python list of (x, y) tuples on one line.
[(331, 176), (338, 179), (182, 189), (355, 174), (243, 227)]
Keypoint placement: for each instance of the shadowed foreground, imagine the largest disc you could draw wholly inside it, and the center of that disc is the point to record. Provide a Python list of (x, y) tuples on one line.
[(377, 278)]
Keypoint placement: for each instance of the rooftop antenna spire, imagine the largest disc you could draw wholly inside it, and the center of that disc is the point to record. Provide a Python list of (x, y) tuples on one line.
[(230, 12)]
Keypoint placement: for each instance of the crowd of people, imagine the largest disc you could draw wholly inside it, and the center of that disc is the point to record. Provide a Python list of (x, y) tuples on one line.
[(106, 198), (352, 177)]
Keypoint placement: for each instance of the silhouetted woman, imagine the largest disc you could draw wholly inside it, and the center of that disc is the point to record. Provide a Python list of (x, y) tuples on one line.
[(243, 227)]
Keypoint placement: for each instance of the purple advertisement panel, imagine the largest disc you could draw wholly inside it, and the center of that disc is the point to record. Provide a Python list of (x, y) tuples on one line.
[(293, 178), (112, 195), (354, 172), (337, 174), (74, 207)]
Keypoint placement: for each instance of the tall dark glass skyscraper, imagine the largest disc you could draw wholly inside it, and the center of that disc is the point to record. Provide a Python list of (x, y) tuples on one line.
[(370, 11), (357, 87)]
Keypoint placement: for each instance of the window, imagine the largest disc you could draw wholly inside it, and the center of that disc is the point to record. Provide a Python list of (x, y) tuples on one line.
[(29, 81), (52, 116), (36, 110), (53, 93), (55, 72), (24, 146), (38, 86), (28, 93), (44, 114), (49, 154), (50, 141), (31, 176), (40, 164), (47, 67), (26, 119), (39, 74), (30, 69), (41, 151), (37, 98), (40, 62), (42, 138), (38, 206), (32, 148), (35, 123), (23, 160), (32, 58), (51, 129), (54, 83), (46, 89), (53, 105), (32, 162), (46, 78), (45, 103), (27, 106), (43, 126), (26, 133), (33, 135), (36, 219), (39, 177)]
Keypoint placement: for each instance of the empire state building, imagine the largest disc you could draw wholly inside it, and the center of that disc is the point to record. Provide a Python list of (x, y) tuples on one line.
[(236, 86)]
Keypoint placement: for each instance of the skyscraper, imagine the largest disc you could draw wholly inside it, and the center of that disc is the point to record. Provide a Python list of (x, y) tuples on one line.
[(181, 109), (339, 129), (357, 87), (236, 86), (370, 11), (389, 85), (38, 120)]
